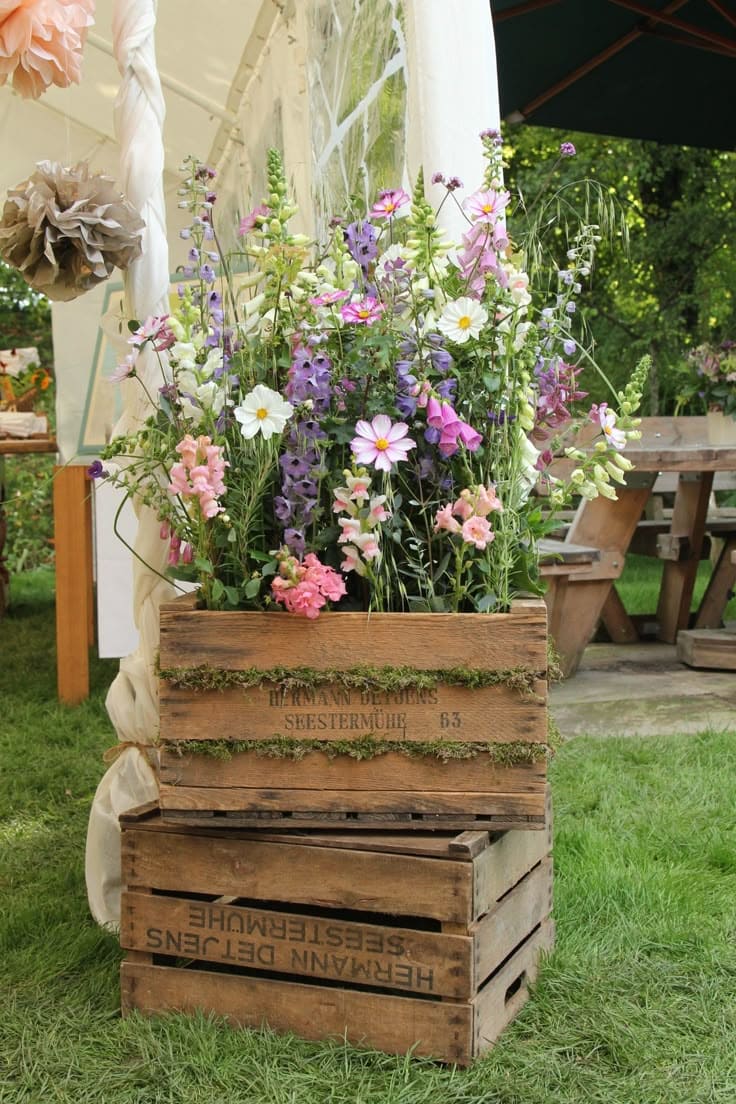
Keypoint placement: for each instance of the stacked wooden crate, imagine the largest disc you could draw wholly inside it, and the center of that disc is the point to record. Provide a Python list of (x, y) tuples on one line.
[(421, 941)]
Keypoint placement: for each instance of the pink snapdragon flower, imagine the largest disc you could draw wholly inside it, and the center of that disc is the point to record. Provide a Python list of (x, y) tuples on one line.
[(304, 588), (363, 312), (359, 529), (389, 203), (477, 531), (445, 520), (199, 474), (381, 442)]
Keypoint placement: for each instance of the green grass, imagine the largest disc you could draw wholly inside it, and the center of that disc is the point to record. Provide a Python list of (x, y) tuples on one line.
[(639, 585), (636, 1006)]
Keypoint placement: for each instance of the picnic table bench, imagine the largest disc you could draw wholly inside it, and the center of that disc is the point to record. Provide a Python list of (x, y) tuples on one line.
[(671, 445)]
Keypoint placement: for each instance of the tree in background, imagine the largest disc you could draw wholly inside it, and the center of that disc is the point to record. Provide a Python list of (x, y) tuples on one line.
[(671, 286)]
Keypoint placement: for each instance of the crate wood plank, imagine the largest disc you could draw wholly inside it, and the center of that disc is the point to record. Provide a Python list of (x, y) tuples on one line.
[(396, 1024), (351, 801), (330, 948), (505, 822), (429, 844), (248, 770), (490, 714), (236, 641), (377, 882), (502, 929), (503, 997), (506, 860)]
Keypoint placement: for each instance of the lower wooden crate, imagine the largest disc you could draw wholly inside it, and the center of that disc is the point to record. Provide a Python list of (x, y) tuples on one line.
[(416, 941), (248, 790)]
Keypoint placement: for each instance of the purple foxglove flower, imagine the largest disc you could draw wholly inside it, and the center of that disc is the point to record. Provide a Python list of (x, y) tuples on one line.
[(282, 508)]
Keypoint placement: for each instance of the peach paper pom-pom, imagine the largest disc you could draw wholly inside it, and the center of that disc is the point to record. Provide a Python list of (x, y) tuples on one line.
[(41, 43)]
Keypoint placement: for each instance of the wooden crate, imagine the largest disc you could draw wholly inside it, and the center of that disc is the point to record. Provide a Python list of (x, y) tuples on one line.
[(420, 941), (409, 791)]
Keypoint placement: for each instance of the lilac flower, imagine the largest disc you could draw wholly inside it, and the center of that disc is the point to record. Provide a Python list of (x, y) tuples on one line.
[(438, 178), (454, 183)]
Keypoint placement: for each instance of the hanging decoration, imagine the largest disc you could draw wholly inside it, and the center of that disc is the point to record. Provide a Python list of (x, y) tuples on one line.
[(41, 43), (66, 229)]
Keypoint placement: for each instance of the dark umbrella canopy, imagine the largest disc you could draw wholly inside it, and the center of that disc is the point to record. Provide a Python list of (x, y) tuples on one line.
[(664, 70)]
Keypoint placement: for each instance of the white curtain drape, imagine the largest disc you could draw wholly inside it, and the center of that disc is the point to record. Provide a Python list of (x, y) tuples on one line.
[(132, 699)]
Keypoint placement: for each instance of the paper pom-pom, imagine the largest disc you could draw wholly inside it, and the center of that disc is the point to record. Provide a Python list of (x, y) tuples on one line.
[(41, 43), (65, 229)]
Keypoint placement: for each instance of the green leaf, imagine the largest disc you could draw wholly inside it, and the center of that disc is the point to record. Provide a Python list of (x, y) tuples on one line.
[(233, 595), (204, 565), (487, 603), (218, 590), (492, 383), (252, 587)]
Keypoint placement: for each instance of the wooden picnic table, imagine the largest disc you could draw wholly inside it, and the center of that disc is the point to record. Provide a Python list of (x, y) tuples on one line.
[(667, 445)]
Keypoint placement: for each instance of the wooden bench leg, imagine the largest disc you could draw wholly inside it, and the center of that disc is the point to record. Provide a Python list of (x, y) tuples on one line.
[(718, 591), (609, 526), (678, 579), (619, 625), (72, 529)]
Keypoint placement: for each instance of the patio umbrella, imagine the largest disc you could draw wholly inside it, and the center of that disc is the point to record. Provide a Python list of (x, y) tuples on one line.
[(663, 70)]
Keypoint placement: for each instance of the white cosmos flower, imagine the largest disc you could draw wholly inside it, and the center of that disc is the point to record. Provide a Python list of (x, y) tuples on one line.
[(461, 319), (263, 411)]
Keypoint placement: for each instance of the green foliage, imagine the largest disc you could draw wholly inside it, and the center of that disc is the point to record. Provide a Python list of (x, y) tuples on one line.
[(665, 283), (360, 677), (367, 747)]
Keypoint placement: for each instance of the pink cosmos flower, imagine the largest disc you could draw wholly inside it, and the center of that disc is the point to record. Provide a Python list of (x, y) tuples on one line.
[(381, 442), (328, 298), (486, 205), (248, 222), (364, 312), (390, 203), (477, 531), (155, 330), (606, 418), (445, 520), (125, 368)]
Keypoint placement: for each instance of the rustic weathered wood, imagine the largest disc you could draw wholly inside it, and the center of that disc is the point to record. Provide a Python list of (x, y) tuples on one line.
[(398, 822), (488, 803), (493, 714), (720, 585), (248, 770), (678, 579), (498, 641), (330, 948), (609, 529), (374, 882), (501, 930), (619, 625), (451, 977), (394, 1024), (507, 992), (709, 648), (16, 446)]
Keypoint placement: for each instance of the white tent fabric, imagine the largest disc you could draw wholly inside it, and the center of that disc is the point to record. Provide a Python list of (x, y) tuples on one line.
[(132, 701)]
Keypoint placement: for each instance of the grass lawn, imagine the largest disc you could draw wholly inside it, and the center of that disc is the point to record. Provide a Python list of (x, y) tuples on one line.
[(636, 1006)]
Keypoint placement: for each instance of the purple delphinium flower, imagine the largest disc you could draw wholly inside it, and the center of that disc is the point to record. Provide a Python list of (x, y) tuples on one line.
[(207, 273), (360, 238), (500, 417), (557, 389), (96, 470)]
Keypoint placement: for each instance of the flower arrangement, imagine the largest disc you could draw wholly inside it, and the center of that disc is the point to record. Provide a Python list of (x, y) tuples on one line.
[(715, 368), (365, 425)]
